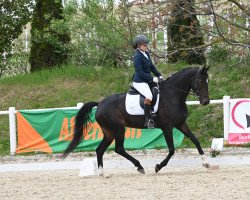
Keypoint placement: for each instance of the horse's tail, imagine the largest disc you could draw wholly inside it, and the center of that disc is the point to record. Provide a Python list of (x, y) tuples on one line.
[(81, 120)]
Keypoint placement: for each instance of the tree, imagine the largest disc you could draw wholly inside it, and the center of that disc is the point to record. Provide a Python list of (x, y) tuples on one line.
[(100, 33), (223, 28), (48, 44), (184, 34), (233, 26), (14, 15)]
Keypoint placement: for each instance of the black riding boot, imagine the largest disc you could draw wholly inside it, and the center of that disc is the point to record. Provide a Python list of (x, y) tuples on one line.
[(149, 122)]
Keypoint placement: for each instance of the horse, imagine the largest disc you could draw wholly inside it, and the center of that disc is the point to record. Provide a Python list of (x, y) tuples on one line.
[(172, 112)]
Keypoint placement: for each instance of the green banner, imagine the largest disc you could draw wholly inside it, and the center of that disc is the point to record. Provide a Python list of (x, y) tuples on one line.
[(52, 131)]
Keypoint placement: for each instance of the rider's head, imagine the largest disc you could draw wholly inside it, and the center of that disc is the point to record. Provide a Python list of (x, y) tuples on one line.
[(140, 41)]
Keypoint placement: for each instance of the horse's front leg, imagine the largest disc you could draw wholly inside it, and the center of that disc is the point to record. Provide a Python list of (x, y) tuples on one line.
[(168, 135), (186, 131)]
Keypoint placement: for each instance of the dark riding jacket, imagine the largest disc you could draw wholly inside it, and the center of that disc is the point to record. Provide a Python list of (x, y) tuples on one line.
[(143, 68)]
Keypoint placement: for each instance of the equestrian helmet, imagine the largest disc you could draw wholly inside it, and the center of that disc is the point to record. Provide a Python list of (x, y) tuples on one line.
[(139, 40)]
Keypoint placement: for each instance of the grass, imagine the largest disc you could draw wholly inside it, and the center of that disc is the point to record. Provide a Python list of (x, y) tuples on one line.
[(59, 87), (68, 85), (4, 146)]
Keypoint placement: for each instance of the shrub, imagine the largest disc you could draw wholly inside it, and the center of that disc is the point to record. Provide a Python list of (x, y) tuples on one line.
[(48, 47)]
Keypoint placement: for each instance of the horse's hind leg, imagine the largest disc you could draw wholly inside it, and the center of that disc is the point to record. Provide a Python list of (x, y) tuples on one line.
[(119, 148), (106, 141)]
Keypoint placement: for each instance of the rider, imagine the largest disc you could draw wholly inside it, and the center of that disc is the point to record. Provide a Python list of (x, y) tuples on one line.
[(142, 77)]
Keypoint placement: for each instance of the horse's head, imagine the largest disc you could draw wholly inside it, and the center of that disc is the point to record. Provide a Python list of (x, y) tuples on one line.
[(200, 86)]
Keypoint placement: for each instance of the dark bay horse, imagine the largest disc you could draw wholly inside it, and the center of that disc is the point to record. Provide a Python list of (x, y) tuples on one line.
[(112, 116)]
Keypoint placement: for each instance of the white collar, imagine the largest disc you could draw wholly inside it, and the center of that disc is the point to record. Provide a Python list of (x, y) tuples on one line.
[(144, 53)]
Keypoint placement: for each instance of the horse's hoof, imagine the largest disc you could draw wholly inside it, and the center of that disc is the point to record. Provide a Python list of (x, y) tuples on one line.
[(157, 168), (99, 171), (62, 156), (206, 165), (141, 170)]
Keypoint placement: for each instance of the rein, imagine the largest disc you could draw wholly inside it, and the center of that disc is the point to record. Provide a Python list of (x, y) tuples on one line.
[(187, 92), (190, 92)]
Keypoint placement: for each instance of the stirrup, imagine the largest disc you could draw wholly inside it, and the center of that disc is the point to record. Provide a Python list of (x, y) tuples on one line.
[(150, 123)]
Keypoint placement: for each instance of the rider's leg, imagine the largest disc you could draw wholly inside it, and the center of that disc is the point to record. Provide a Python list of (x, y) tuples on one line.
[(144, 89), (149, 122)]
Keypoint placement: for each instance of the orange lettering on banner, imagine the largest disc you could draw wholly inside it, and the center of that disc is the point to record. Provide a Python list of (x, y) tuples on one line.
[(96, 128), (86, 130), (138, 135), (127, 133), (64, 133), (91, 131), (130, 133), (100, 133), (72, 128)]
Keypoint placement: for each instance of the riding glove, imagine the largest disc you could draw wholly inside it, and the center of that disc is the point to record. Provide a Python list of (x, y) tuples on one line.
[(161, 78), (156, 80)]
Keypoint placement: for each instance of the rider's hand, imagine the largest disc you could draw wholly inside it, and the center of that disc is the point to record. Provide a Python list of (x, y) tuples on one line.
[(161, 78), (155, 80)]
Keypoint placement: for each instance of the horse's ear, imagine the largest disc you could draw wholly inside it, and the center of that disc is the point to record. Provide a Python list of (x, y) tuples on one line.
[(205, 68)]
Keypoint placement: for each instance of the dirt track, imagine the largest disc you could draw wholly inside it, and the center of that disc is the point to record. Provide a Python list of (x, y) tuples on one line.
[(178, 183)]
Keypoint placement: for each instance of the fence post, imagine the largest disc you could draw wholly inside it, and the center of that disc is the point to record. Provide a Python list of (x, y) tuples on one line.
[(79, 105), (226, 115), (12, 125)]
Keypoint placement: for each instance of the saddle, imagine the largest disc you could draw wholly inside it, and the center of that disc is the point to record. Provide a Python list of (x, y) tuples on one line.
[(154, 89), (134, 102)]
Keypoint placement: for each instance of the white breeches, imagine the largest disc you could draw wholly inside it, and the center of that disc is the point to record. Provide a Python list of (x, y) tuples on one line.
[(144, 89)]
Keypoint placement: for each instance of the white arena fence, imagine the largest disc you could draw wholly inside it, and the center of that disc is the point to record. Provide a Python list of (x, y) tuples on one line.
[(12, 118)]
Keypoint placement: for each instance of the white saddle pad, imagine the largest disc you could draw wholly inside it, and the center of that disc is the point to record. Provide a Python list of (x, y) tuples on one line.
[(133, 107)]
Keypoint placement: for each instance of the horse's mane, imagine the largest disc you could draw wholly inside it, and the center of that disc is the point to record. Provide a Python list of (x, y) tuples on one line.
[(183, 71)]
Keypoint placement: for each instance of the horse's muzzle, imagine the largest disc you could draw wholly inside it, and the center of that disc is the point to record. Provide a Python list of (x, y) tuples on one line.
[(204, 101)]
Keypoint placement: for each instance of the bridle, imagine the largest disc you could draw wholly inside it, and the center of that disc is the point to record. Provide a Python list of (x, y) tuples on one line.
[(197, 92), (191, 92)]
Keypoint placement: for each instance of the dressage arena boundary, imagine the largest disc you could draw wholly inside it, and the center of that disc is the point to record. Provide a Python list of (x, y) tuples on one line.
[(88, 166), (12, 118)]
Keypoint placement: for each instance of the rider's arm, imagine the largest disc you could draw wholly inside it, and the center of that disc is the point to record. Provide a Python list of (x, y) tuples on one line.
[(153, 68)]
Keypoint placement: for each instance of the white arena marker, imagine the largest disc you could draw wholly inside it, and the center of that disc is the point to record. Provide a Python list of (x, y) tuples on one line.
[(88, 167), (217, 144)]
